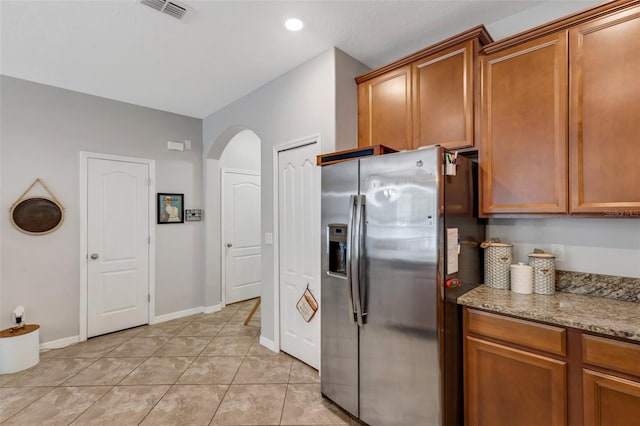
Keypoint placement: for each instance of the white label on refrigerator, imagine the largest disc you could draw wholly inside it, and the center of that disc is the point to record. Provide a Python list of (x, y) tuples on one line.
[(453, 240)]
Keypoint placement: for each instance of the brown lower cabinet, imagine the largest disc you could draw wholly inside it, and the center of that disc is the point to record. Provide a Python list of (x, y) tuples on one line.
[(610, 400), (612, 395), (517, 372), (507, 386)]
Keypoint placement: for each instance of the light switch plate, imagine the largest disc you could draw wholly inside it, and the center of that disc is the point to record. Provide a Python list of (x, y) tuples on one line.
[(193, 215), (175, 146), (268, 238)]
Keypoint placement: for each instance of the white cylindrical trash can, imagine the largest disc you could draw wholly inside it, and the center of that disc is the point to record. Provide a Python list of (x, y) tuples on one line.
[(19, 348)]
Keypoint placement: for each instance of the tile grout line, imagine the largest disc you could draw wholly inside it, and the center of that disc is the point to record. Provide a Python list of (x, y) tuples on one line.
[(89, 407), (229, 385), (28, 405), (286, 391), (231, 382), (157, 402), (61, 384)]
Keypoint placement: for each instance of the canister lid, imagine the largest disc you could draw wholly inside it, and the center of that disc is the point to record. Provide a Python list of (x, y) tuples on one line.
[(520, 265), (542, 255), (494, 244)]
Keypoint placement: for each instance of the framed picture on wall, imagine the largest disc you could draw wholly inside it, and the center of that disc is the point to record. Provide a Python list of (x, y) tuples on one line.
[(170, 208)]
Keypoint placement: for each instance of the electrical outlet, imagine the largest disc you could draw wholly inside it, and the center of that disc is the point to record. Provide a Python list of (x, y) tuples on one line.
[(558, 251)]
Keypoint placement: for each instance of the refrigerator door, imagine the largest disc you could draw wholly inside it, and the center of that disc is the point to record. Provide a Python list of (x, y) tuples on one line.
[(339, 332), (399, 351)]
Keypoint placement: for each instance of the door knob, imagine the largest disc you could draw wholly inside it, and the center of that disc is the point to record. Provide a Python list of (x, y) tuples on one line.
[(94, 256), (229, 245)]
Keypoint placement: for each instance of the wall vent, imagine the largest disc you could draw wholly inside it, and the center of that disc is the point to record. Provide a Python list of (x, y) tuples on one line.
[(168, 7)]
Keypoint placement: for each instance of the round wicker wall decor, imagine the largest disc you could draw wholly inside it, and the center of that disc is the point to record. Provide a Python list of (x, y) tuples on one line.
[(37, 215)]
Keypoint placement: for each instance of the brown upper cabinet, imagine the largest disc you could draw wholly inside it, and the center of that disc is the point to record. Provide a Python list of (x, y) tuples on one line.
[(384, 110), (604, 121), (426, 98), (561, 116), (524, 128)]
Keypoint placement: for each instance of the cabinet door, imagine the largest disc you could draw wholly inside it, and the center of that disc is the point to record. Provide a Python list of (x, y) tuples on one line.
[(384, 110), (443, 88), (506, 386), (605, 115), (610, 400), (523, 155)]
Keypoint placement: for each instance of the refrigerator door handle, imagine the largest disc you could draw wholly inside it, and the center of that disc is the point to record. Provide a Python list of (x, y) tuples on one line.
[(362, 258), (352, 202), (358, 258)]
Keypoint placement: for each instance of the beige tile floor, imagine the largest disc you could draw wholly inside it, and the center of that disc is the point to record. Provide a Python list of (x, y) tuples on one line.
[(199, 370)]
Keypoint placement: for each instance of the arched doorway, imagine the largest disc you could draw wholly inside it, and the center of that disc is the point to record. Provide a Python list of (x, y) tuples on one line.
[(240, 218), (233, 222)]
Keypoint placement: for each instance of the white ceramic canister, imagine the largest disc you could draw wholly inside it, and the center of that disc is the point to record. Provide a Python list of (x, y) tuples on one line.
[(497, 260), (544, 272), (521, 278)]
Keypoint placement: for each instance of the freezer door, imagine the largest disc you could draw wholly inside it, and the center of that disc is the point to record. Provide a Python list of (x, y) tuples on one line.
[(399, 352), (339, 332)]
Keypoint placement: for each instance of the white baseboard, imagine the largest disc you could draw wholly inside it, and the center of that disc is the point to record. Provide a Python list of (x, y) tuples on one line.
[(60, 343), (177, 314), (211, 309), (269, 344)]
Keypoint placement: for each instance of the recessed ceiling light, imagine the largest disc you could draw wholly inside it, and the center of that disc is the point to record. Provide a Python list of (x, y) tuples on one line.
[(293, 24)]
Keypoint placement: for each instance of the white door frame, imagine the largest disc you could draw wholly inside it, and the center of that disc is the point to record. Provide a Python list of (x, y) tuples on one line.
[(223, 240), (298, 143), (84, 174)]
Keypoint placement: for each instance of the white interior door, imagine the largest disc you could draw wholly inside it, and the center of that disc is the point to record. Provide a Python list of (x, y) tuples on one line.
[(299, 241), (118, 245), (241, 235)]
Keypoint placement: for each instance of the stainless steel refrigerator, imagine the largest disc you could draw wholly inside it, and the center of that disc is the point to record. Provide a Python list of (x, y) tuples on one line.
[(396, 230)]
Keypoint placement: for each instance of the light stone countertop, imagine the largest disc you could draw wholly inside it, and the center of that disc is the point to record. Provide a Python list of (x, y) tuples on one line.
[(595, 314)]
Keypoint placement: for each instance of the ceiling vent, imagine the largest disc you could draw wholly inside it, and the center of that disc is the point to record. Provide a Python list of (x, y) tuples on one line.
[(168, 7)]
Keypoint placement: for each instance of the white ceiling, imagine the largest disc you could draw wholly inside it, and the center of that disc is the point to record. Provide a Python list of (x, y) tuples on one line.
[(222, 50)]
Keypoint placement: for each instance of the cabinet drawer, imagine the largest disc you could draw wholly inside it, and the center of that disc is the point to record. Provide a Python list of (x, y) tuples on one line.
[(612, 354), (536, 336)]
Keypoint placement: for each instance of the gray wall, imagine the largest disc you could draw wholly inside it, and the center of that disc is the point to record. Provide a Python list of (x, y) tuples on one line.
[(347, 100), (595, 245), (538, 15), (296, 105), (43, 130)]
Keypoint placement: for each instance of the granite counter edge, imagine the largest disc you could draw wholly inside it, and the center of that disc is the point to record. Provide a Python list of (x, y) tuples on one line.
[(471, 301)]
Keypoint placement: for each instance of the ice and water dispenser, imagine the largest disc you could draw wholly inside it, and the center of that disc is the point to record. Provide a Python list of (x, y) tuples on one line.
[(338, 248)]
